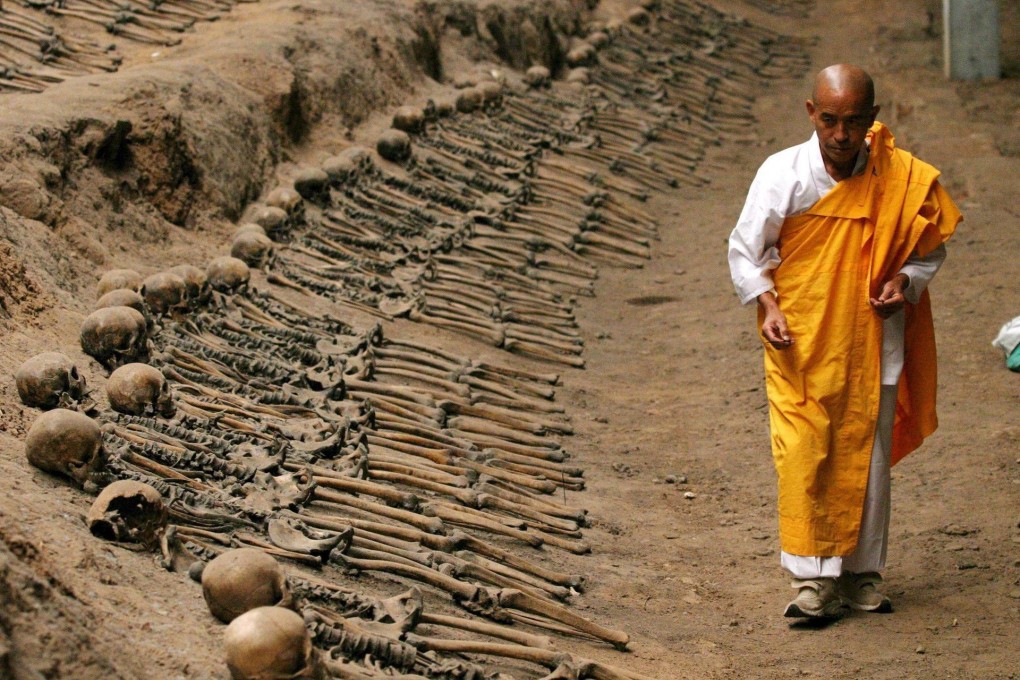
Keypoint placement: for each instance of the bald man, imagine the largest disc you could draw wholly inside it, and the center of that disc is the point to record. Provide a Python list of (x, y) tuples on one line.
[(837, 242)]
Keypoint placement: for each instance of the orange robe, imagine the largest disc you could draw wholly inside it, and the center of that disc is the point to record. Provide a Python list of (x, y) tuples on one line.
[(824, 390)]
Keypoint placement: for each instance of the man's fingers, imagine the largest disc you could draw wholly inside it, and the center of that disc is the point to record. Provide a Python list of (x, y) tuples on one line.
[(777, 335)]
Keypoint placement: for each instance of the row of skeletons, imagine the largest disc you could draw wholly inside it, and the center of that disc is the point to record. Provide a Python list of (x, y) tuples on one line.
[(35, 52), (247, 429)]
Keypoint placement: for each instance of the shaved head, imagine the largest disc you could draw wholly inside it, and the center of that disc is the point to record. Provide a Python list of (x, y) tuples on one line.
[(842, 109), (845, 80)]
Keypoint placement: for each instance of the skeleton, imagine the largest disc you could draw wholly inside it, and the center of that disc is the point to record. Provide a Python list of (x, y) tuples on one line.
[(311, 441), (129, 511), (241, 580), (267, 643), (49, 380), (114, 336), (66, 443), (140, 390)]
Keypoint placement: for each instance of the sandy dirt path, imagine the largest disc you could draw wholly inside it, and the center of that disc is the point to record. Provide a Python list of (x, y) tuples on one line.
[(674, 392)]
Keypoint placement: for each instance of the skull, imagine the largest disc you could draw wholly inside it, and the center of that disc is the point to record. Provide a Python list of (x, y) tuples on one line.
[(66, 443), (47, 379), (492, 91), (128, 511), (579, 75), (445, 106), (253, 248), (123, 297), (196, 287), (537, 76), (582, 54), (598, 39), (286, 199), (250, 227), (140, 390), (312, 184), (639, 17), (118, 278), (394, 145), (470, 99), (164, 292), (243, 579), (410, 119), (348, 165), (227, 274), (270, 643), (115, 336), (273, 220)]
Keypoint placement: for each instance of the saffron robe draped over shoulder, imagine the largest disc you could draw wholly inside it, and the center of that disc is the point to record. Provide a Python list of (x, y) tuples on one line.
[(824, 390)]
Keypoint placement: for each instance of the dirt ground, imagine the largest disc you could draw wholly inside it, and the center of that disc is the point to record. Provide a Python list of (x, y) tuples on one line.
[(670, 412)]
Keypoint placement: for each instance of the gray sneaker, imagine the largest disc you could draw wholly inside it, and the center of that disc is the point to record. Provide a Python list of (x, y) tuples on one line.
[(816, 599), (861, 592)]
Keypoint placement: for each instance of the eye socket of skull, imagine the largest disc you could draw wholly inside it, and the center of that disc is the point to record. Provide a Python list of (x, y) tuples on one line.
[(128, 511), (115, 336), (242, 579), (42, 379), (269, 642), (118, 278), (67, 443)]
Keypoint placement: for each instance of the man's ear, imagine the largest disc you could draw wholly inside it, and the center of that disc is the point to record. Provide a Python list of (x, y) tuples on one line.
[(874, 112), (810, 106)]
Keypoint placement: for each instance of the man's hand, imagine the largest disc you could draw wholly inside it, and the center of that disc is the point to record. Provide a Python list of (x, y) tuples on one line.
[(774, 327), (891, 299)]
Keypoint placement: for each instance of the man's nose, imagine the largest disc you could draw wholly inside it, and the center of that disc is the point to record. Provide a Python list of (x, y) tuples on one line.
[(842, 132)]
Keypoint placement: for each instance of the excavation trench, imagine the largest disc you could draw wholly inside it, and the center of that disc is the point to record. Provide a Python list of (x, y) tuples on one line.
[(372, 387)]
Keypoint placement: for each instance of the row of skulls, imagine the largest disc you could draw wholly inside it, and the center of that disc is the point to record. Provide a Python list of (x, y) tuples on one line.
[(65, 441)]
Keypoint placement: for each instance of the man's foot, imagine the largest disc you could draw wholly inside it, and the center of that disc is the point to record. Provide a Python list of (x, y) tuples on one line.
[(860, 591), (817, 599)]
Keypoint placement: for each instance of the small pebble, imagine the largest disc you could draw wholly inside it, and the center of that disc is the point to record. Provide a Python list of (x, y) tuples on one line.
[(670, 479), (920, 649), (689, 495), (1015, 594)]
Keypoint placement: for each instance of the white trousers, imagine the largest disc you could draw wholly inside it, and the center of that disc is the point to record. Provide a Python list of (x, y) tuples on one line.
[(874, 533)]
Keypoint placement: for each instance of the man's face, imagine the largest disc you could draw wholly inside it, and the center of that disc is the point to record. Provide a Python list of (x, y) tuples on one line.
[(842, 121)]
